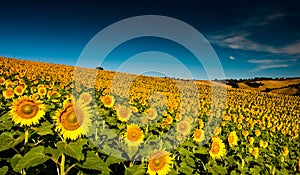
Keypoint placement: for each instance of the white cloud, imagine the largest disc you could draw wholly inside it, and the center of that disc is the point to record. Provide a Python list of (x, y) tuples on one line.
[(263, 64), (231, 57)]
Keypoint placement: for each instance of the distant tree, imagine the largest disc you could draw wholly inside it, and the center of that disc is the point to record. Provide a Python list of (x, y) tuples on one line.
[(99, 68)]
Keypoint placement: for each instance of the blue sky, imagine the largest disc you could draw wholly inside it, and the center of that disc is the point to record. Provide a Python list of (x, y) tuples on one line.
[(251, 38)]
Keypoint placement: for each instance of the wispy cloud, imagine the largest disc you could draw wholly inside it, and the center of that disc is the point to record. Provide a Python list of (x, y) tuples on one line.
[(263, 64), (238, 36), (231, 57)]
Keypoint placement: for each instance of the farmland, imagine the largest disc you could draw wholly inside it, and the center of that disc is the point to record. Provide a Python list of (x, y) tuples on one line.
[(58, 119)]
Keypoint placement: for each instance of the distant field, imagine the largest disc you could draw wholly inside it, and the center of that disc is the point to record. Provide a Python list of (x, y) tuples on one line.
[(276, 86), (58, 119)]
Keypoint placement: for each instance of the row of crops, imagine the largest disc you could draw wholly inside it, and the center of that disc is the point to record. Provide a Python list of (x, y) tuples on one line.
[(58, 119)]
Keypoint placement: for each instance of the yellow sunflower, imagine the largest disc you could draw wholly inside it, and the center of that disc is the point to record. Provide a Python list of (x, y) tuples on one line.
[(232, 139), (19, 90), (285, 151), (123, 113), (85, 97), (42, 91), (198, 135), (73, 120), (160, 163), (9, 93), (27, 111), (133, 136), (255, 152), (151, 113), (108, 101), (217, 149), (183, 127)]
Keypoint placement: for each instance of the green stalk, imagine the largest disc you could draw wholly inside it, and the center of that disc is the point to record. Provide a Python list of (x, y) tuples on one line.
[(62, 164), (26, 135)]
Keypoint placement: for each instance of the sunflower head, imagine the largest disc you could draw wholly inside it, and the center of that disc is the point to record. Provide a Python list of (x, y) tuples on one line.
[(198, 135), (27, 111), (8, 93), (133, 136), (160, 163), (73, 120), (108, 101), (255, 153), (285, 151), (232, 139), (183, 127), (217, 149), (123, 113)]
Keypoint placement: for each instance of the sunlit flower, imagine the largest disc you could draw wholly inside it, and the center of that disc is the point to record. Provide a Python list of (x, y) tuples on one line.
[(159, 163)]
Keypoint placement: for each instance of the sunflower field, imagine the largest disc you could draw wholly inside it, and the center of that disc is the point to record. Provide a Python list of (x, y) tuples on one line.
[(57, 119)]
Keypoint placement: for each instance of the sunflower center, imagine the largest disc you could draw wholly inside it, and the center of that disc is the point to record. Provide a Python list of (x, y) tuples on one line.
[(27, 109), (71, 118), (231, 139), (216, 148), (157, 164), (133, 134)]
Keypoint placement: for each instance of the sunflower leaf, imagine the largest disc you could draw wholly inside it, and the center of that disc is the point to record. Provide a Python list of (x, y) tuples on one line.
[(93, 162), (184, 168), (33, 158), (112, 160), (45, 129), (73, 149), (3, 170), (14, 160), (7, 141), (135, 170)]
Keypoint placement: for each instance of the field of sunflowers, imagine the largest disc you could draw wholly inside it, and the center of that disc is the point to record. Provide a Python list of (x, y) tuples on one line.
[(57, 119)]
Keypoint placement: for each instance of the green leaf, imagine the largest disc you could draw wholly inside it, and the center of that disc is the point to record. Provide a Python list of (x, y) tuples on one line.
[(73, 149), (219, 169), (112, 160), (112, 151), (201, 150), (233, 172), (7, 141), (135, 170), (184, 168), (55, 153), (5, 125), (189, 161), (3, 170), (33, 158), (45, 129), (93, 162), (109, 133), (14, 160), (185, 152)]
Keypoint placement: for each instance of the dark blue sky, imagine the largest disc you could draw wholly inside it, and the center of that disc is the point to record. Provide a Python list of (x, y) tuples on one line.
[(251, 38)]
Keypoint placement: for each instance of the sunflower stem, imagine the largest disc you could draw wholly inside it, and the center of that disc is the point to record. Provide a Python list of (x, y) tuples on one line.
[(62, 164), (26, 135)]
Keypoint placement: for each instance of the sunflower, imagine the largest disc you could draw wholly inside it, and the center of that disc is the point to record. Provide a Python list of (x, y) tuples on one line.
[(2, 80), (257, 132), (19, 90), (108, 101), (285, 151), (133, 136), (151, 113), (232, 139), (85, 97), (201, 124), (27, 111), (183, 127), (9, 93), (42, 91), (251, 140), (217, 149), (255, 153), (160, 163), (217, 131), (198, 135), (123, 113), (169, 119), (73, 120)]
